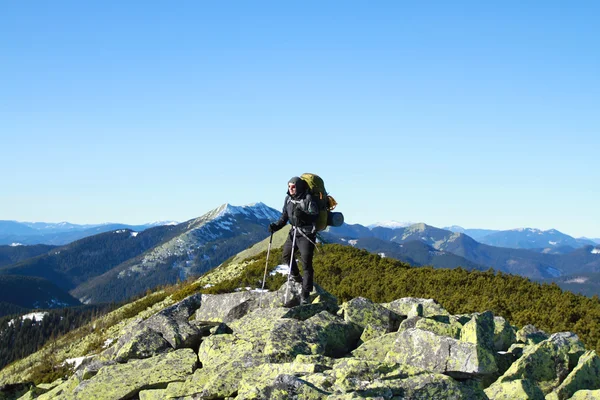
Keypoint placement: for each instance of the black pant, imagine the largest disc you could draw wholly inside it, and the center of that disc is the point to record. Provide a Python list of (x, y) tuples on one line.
[(307, 250)]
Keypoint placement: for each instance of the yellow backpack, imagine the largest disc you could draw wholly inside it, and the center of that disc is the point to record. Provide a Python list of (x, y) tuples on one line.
[(326, 203)]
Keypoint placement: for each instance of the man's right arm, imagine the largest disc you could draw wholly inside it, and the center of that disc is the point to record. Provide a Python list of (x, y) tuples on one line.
[(280, 223)]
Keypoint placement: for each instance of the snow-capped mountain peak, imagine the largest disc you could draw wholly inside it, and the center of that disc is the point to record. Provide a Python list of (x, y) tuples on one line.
[(390, 224), (259, 210)]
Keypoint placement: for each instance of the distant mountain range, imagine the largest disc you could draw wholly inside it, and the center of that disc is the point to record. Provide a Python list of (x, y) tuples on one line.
[(119, 264), (114, 266), (543, 264), (550, 241), (27, 233)]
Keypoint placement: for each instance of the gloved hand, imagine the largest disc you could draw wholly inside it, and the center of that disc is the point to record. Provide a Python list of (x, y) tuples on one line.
[(272, 227)]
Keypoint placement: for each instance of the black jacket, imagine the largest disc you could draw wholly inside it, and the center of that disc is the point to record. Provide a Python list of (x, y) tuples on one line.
[(300, 210)]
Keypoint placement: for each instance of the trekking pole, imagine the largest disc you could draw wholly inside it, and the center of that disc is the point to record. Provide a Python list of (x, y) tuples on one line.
[(287, 289), (265, 275)]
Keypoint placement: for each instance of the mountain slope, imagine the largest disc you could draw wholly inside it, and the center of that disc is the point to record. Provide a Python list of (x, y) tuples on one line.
[(14, 254), (71, 265), (32, 292), (414, 252), (202, 243)]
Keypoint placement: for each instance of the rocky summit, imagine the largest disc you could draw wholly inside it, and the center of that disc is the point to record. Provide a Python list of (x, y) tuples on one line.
[(253, 345)]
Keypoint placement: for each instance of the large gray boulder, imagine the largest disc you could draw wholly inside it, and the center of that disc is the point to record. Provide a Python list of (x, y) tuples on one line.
[(122, 381), (586, 375), (406, 305), (440, 354), (164, 331), (512, 390), (363, 312), (548, 363), (504, 334), (531, 335)]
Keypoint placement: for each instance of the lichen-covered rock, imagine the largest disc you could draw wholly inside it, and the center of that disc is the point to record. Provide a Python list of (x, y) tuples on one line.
[(531, 335), (229, 307), (336, 336), (517, 389), (89, 369), (353, 374), (504, 334), (548, 363), (586, 375), (451, 329), (207, 383), (404, 306), (377, 348), (143, 343), (586, 395), (125, 380), (166, 330), (153, 394), (441, 354), (291, 337), (480, 331), (219, 350), (320, 361), (363, 312), (257, 381), (173, 325), (225, 307), (371, 332), (283, 387), (63, 391), (409, 323), (426, 386)]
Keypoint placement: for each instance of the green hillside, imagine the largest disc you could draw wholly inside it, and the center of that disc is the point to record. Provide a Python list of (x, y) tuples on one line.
[(348, 272)]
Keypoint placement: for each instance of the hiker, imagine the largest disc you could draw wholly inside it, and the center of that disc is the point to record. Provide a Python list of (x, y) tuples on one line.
[(301, 210)]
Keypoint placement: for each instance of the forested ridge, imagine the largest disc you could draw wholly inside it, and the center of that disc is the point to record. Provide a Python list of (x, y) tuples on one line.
[(21, 337)]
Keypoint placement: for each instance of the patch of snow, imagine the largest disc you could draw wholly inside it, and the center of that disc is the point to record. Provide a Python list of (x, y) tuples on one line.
[(596, 250), (134, 234), (39, 316), (16, 244), (259, 210), (208, 285), (382, 255), (120, 231), (282, 269), (107, 343), (552, 243), (75, 361), (390, 224), (580, 279), (353, 242), (162, 223)]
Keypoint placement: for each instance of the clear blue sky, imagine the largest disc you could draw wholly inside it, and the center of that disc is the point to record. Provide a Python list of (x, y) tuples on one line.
[(480, 114)]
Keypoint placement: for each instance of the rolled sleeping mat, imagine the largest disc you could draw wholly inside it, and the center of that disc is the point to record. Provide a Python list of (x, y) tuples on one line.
[(335, 219)]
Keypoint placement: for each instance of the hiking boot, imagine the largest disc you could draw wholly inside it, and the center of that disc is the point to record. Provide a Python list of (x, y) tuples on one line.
[(304, 300)]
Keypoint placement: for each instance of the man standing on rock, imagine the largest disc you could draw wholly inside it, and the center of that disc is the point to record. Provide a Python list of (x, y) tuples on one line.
[(301, 211)]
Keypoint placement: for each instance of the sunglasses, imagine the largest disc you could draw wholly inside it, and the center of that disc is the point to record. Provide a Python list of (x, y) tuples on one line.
[(292, 186)]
